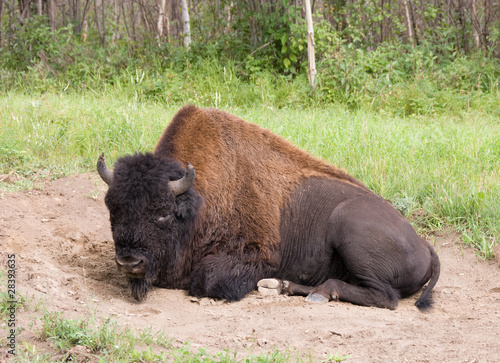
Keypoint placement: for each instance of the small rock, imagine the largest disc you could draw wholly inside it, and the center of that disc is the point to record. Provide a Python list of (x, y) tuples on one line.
[(261, 342)]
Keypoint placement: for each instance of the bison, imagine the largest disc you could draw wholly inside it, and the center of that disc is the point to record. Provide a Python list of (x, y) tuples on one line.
[(259, 212)]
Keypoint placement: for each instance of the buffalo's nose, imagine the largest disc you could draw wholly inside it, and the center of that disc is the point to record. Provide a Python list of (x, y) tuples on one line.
[(131, 264)]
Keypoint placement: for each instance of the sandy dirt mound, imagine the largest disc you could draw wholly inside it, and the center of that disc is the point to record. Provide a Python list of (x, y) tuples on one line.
[(64, 256)]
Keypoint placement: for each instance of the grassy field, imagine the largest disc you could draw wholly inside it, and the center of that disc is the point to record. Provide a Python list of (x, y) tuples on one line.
[(437, 170)]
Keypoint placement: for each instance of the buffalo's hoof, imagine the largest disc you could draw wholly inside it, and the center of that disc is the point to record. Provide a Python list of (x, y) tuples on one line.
[(269, 286), (316, 298)]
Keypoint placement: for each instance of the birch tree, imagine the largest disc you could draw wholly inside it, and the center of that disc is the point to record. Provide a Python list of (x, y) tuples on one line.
[(185, 24), (51, 10), (409, 22), (116, 21), (310, 44), (161, 17)]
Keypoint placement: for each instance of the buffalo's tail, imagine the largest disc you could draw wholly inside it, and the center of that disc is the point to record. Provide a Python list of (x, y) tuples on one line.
[(424, 303)]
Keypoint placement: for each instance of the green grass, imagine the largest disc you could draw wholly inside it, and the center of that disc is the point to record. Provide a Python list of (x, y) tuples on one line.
[(9, 304), (104, 340), (442, 170)]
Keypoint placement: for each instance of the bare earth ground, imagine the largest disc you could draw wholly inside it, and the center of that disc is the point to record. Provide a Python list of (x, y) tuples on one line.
[(64, 256)]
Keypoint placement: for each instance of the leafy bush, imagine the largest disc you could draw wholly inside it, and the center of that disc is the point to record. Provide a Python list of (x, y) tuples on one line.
[(405, 81)]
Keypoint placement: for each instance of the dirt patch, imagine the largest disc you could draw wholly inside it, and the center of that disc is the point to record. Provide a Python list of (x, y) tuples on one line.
[(64, 257)]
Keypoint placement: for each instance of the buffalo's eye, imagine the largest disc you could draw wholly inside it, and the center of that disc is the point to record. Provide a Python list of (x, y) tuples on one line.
[(163, 215), (165, 219)]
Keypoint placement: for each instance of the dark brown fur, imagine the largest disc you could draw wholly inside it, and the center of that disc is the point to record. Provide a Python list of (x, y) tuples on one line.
[(245, 222)]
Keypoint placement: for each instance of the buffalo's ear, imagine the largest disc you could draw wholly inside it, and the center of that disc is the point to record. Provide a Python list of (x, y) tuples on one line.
[(187, 205)]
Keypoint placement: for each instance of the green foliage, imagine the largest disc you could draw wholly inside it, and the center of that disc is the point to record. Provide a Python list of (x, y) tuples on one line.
[(222, 69), (6, 301), (32, 43), (146, 356), (279, 41), (102, 337), (405, 81), (337, 358), (106, 341), (68, 333)]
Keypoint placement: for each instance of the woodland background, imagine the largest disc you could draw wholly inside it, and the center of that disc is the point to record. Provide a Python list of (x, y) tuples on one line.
[(422, 48)]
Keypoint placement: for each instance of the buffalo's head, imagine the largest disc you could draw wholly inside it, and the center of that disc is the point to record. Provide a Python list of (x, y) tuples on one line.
[(151, 202)]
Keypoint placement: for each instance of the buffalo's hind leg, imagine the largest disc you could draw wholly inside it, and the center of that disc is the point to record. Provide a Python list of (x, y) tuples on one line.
[(381, 296), (332, 289)]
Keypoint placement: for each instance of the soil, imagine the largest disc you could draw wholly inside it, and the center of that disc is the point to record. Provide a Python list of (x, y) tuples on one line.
[(60, 235)]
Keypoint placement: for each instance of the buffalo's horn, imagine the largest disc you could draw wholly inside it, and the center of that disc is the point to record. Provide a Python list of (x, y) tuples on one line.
[(104, 172), (182, 185)]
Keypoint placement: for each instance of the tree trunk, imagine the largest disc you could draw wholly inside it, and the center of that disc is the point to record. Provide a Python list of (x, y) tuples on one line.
[(161, 17), (229, 8), (463, 24), (26, 13), (382, 21), (51, 12), (78, 16), (476, 25), (254, 27), (103, 8), (142, 17), (409, 23), (85, 27), (125, 21), (310, 44), (185, 24), (132, 23), (168, 28), (116, 20), (1, 28), (98, 25), (71, 10), (490, 11), (83, 18)]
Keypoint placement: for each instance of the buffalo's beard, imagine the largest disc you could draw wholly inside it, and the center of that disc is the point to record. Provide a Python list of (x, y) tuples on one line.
[(139, 288)]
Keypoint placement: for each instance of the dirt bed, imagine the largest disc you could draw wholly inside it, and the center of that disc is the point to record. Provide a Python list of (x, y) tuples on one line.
[(64, 257)]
